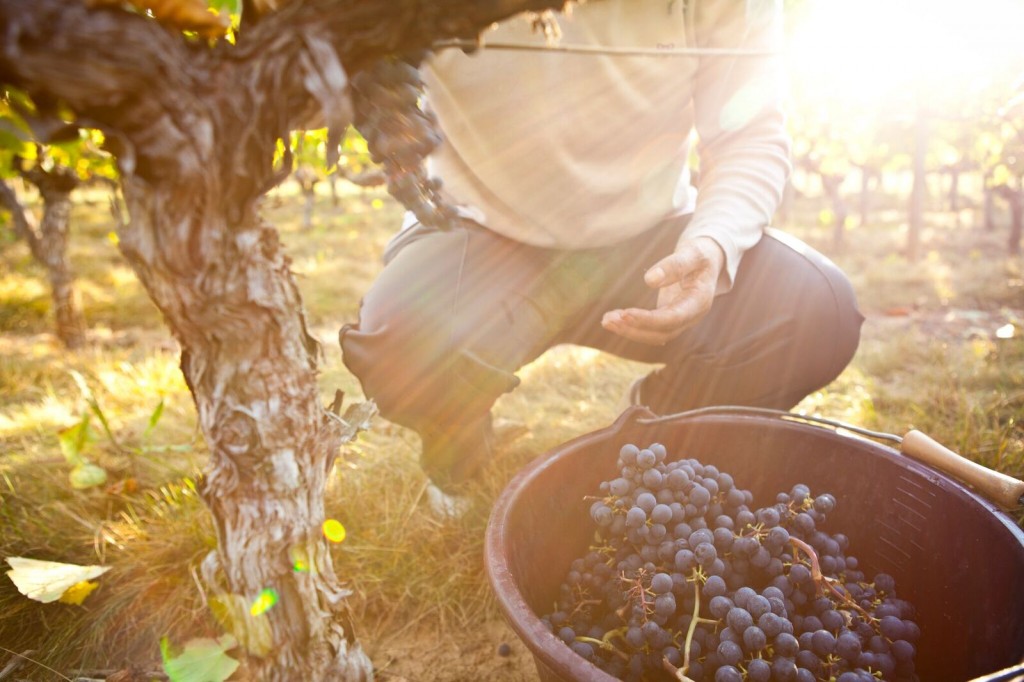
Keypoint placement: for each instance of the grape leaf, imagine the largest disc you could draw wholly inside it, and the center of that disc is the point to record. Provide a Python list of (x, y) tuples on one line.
[(13, 134), (72, 441), (47, 581), (87, 475), (201, 660)]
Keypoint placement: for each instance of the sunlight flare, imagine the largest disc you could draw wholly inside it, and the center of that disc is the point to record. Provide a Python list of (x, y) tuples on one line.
[(264, 602), (334, 531), (871, 50)]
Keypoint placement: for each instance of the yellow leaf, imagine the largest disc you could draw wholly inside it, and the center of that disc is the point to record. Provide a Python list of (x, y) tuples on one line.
[(187, 15), (47, 581), (77, 593)]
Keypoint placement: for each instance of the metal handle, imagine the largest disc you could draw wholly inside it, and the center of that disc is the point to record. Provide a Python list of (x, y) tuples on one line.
[(1004, 490)]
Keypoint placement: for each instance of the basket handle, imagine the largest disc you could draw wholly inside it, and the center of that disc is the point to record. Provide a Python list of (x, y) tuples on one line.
[(1004, 490), (998, 487), (1014, 673)]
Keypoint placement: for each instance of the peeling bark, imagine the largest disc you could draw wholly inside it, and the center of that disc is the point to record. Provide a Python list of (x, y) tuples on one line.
[(251, 367), (194, 128)]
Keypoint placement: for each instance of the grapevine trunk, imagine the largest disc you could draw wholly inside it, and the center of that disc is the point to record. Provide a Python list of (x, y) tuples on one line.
[(249, 363)]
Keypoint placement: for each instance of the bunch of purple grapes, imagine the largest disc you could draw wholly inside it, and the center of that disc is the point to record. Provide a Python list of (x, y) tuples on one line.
[(400, 133), (686, 581)]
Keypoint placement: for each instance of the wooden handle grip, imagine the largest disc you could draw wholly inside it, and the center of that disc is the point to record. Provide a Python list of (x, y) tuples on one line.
[(998, 487)]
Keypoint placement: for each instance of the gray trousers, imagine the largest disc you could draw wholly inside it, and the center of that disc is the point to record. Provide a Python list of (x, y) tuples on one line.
[(454, 314)]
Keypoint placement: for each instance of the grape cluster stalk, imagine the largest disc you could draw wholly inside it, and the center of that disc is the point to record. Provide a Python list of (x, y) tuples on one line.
[(388, 97), (686, 581)]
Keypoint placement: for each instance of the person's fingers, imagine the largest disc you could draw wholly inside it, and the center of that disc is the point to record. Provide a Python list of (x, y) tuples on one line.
[(686, 280), (652, 326), (676, 267), (616, 323), (675, 317), (644, 337)]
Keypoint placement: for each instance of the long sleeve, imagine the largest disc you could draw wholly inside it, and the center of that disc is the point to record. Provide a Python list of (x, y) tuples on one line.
[(742, 142)]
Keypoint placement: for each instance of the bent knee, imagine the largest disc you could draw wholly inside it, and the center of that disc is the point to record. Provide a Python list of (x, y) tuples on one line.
[(418, 377), (392, 362)]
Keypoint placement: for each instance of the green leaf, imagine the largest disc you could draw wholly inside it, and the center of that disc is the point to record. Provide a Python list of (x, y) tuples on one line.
[(201, 660), (73, 439), (14, 134), (11, 143), (98, 411), (154, 419), (87, 475), (18, 98), (232, 6)]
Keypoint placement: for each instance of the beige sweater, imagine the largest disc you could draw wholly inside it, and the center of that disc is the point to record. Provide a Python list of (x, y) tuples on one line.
[(576, 150)]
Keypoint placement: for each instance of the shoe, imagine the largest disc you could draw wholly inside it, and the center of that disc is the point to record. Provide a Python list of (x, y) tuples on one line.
[(447, 507), (505, 432), (454, 455)]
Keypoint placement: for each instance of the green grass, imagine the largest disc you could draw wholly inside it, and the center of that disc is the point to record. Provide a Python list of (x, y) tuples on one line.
[(929, 360)]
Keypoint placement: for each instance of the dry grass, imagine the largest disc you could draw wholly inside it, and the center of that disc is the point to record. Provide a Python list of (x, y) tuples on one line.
[(948, 376)]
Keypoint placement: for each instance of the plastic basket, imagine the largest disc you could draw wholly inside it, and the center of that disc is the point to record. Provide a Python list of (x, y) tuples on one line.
[(957, 556)]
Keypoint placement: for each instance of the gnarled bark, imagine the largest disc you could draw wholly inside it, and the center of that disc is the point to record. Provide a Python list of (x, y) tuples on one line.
[(194, 128)]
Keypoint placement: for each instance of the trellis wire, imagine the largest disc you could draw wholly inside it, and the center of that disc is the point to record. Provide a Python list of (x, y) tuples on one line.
[(471, 45)]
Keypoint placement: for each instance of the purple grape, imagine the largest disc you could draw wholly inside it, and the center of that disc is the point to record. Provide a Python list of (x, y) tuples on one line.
[(645, 459), (661, 583), (754, 639)]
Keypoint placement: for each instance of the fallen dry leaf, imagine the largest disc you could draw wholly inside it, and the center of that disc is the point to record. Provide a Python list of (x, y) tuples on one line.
[(47, 581)]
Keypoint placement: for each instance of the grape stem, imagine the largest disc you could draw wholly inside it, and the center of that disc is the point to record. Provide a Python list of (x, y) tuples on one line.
[(816, 574), (582, 603), (680, 673), (607, 646), (823, 583), (637, 592)]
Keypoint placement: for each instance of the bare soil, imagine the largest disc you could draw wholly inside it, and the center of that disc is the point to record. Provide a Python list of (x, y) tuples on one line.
[(467, 656)]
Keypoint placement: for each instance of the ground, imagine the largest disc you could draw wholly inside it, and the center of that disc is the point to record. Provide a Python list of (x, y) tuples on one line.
[(471, 655)]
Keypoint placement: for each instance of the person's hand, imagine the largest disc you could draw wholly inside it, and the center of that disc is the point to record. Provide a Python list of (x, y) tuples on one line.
[(686, 282)]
